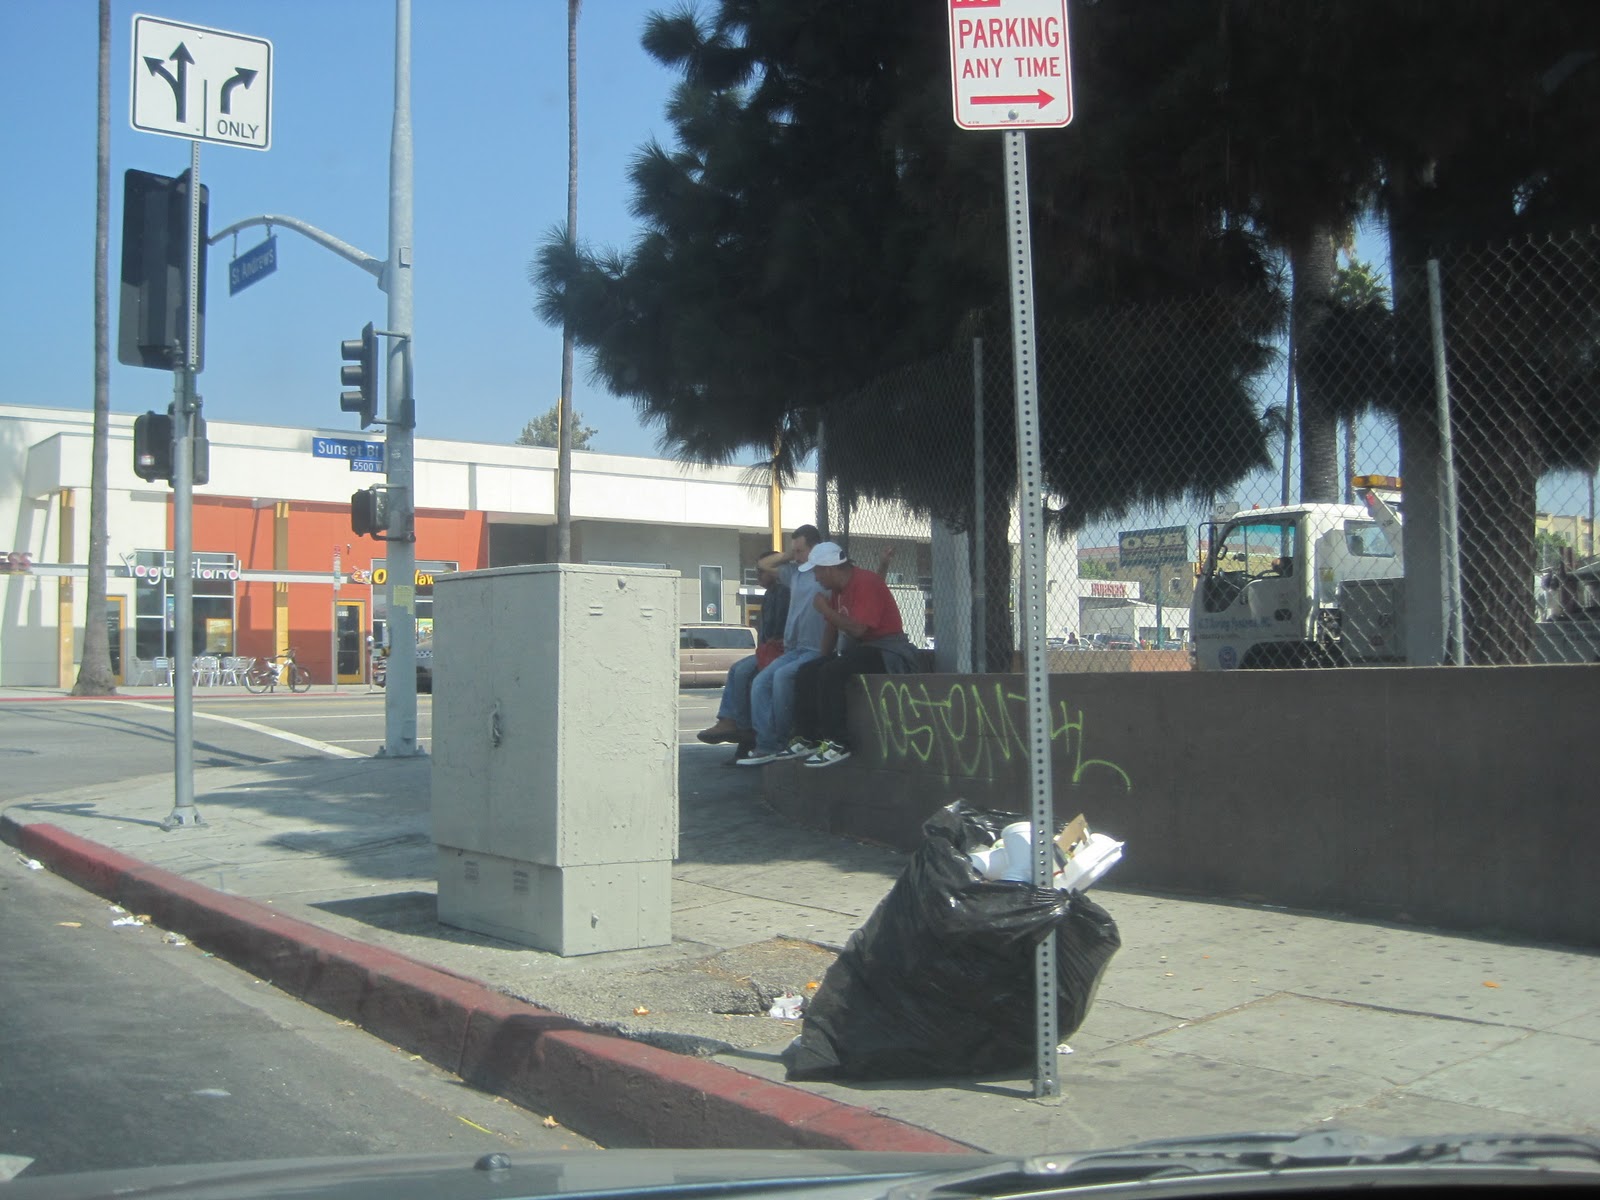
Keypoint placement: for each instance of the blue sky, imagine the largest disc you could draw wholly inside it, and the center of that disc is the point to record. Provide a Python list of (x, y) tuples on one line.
[(489, 113)]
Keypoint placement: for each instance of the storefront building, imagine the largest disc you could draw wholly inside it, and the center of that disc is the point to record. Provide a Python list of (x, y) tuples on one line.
[(276, 565)]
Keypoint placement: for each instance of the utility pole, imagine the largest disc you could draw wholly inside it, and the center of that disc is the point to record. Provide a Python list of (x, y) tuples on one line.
[(400, 700), (394, 279)]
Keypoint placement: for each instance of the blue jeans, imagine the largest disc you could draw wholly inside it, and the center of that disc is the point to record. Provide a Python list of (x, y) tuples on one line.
[(772, 699), (736, 693)]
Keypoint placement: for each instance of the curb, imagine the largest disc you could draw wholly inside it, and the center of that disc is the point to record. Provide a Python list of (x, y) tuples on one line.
[(616, 1091)]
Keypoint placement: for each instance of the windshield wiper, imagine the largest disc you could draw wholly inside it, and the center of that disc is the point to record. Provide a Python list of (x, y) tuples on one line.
[(1178, 1157)]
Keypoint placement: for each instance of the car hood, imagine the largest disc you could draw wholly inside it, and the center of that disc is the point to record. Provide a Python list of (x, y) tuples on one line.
[(494, 1177)]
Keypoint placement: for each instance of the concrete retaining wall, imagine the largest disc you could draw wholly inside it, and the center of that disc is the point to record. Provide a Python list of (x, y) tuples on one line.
[(1465, 798)]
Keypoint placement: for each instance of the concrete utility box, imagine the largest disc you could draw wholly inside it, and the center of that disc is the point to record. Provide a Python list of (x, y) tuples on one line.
[(555, 754)]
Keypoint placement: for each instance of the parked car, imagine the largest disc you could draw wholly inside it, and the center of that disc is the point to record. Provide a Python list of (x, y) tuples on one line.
[(1113, 641), (705, 652)]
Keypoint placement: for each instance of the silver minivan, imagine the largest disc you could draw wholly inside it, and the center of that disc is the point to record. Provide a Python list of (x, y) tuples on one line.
[(705, 652)]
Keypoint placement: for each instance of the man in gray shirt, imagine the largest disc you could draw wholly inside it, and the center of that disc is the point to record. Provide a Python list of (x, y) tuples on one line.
[(772, 692)]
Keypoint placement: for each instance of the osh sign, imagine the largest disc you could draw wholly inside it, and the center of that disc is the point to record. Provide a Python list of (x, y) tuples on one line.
[(1151, 547), (202, 84), (1009, 66)]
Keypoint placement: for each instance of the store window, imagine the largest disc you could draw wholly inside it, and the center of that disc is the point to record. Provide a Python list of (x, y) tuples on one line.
[(426, 570), (156, 603)]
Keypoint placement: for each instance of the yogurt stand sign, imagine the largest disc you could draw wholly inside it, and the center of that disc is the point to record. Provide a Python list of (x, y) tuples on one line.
[(1009, 66)]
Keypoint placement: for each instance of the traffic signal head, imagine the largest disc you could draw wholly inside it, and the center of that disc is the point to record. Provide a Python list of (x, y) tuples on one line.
[(369, 512), (360, 372), (155, 448), (152, 447)]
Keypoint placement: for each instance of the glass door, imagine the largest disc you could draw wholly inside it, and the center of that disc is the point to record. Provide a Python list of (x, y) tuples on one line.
[(351, 616)]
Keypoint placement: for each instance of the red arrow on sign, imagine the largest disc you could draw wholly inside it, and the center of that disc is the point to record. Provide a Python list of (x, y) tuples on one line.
[(1041, 98)]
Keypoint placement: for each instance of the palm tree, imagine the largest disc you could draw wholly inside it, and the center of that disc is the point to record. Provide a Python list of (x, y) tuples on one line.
[(564, 446), (94, 672)]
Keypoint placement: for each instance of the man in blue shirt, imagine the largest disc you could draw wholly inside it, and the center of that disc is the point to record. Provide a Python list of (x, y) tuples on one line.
[(734, 722), (772, 692)]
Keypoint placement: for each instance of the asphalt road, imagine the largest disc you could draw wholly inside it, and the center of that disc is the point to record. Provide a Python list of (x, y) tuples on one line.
[(55, 745), (118, 1049)]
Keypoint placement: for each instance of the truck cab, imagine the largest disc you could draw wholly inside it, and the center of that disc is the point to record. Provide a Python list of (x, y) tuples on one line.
[(1302, 585)]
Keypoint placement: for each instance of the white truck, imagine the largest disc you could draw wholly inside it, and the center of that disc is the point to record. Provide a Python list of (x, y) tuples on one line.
[(1303, 585)]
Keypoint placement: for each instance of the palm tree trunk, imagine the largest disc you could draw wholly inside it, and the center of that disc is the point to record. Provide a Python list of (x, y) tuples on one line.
[(564, 447), (1315, 260), (94, 670)]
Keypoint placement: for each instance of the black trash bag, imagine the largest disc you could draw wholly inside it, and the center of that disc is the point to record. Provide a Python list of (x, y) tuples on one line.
[(939, 981)]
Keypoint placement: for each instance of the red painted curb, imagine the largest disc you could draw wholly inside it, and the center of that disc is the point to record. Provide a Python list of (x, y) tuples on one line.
[(618, 1091)]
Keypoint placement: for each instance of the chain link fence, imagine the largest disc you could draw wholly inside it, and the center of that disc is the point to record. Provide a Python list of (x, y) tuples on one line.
[(1419, 489)]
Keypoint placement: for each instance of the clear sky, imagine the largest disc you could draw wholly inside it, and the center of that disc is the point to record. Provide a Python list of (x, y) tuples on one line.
[(490, 125)]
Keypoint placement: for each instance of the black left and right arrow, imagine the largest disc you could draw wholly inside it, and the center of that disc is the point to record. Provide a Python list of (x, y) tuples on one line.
[(179, 83)]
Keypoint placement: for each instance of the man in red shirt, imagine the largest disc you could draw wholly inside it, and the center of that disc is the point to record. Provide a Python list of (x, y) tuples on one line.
[(859, 608)]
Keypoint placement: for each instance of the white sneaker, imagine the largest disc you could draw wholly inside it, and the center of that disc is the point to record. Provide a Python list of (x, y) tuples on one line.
[(828, 754), (760, 758), (799, 748)]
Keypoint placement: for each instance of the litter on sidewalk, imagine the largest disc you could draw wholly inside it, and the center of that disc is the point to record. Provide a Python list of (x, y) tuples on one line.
[(788, 1007), (1081, 858), (940, 979)]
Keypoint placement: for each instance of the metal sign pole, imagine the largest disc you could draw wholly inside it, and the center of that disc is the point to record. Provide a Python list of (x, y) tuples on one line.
[(1030, 473), (333, 630), (186, 404), (980, 549)]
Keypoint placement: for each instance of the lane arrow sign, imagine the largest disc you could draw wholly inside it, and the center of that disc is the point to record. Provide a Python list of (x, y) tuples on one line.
[(242, 76), (180, 84)]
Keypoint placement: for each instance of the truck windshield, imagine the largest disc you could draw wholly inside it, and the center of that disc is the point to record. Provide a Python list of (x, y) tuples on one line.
[(1366, 539), (1258, 549)]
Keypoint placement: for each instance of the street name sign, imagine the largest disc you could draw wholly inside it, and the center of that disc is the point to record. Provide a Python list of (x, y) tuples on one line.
[(326, 447), (201, 84), (255, 263), (1009, 64)]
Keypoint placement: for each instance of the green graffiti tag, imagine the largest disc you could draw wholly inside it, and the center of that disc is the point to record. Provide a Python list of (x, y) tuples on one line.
[(971, 728)]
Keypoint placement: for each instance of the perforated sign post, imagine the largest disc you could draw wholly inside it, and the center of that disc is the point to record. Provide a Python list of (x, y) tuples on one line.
[(1010, 70)]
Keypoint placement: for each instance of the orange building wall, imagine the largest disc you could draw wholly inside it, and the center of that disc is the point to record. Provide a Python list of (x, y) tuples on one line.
[(231, 525)]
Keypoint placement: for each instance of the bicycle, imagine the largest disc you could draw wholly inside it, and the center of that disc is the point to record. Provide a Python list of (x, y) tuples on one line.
[(265, 674)]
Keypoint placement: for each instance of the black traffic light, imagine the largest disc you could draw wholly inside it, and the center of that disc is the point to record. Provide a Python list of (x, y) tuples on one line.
[(153, 316), (152, 447), (154, 438), (369, 512), (360, 372)]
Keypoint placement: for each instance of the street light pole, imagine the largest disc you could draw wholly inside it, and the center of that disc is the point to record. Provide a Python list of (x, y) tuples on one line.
[(400, 696)]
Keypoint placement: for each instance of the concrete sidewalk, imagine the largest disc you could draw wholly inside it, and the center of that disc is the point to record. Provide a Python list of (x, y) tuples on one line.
[(1211, 1018)]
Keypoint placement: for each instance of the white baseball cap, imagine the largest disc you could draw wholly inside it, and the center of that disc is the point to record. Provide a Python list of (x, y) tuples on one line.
[(824, 554)]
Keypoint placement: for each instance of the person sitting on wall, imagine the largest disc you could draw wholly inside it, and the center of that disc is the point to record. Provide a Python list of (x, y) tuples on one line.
[(860, 609), (734, 720), (772, 691)]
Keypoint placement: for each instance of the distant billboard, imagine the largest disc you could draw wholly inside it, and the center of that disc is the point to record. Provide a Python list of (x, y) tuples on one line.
[(1150, 547)]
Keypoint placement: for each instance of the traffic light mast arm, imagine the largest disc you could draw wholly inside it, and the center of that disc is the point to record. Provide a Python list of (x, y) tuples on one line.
[(372, 266)]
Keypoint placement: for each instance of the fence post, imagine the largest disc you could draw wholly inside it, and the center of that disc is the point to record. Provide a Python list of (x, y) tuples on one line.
[(1455, 642)]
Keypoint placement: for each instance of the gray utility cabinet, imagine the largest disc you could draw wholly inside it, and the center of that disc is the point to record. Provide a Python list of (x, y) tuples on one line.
[(555, 743)]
